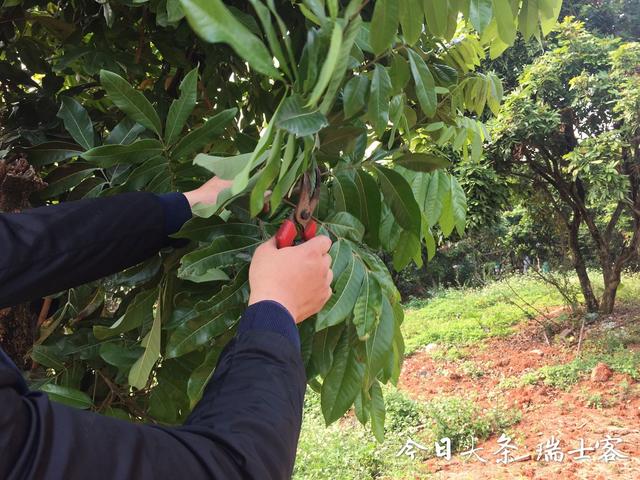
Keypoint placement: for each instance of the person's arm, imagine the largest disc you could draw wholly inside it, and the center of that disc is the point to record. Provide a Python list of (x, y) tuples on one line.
[(245, 427), (49, 249)]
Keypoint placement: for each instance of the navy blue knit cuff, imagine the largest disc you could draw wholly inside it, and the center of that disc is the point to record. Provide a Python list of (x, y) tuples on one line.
[(271, 316), (176, 210)]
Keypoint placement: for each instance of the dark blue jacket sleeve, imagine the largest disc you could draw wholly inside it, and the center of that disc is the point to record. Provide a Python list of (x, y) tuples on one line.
[(49, 249), (245, 427)]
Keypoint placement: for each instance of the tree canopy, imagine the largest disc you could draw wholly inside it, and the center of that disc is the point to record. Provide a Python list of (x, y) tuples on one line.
[(571, 131)]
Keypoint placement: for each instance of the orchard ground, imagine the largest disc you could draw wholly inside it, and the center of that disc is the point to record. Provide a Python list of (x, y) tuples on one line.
[(478, 365)]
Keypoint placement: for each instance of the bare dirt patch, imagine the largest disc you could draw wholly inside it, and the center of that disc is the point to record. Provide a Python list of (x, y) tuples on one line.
[(589, 410)]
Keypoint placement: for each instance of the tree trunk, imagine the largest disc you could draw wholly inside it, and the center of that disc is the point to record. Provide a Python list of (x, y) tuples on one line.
[(18, 324), (611, 277), (590, 300)]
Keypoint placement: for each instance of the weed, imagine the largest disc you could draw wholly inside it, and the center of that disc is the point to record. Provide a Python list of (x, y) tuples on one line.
[(472, 369), (461, 420)]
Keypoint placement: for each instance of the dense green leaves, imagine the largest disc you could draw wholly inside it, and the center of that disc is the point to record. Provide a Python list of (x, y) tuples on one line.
[(204, 264), (214, 22)]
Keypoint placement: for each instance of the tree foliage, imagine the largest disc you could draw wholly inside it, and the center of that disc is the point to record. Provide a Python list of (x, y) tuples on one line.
[(376, 94), (571, 131)]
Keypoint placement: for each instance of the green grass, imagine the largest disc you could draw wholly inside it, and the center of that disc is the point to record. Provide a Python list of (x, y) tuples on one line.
[(347, 451), (462, 316)]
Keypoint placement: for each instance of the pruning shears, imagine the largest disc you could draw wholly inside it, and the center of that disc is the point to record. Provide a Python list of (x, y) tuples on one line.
[(301, 223)]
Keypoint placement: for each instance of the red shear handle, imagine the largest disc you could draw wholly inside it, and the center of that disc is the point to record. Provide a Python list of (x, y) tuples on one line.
[(286, 234), (310, 230)]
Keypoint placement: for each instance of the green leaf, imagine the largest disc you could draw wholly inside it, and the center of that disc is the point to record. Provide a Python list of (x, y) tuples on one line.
[(480, 14), (408, 248), (196, 139), (272, 38), (130, 101), (342, 255), (222, 252), (201, 376), (206, 229), (295, 118), (67, 396), (242, 180), (399, 196), (65, 177), (140, 371), (378, 111), (384, 25), (425, 84), (106, 156), (118, 355), (345, 194), (182, 107), (124, 132), (345, 225), (371, 208), (549, 11), (323, 346), (528, 18), (342, 65), (267, 175), (341, 303), (342, 383), (435, 12), (377, 411), (505, 21), (138, 312), (224, 167), (354, 96), (458, 205), (399, 73), (51, 152), (214, 22), (378, 345), (48, 356), (328, 66), (200, 331), (447, 220), (422, 162), (368, 307), (77, 122), (230, 295), (433, 200), (411, 18)]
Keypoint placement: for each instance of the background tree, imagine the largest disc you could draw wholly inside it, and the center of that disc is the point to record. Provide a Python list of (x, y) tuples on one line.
[(579, 146), (268, 92)]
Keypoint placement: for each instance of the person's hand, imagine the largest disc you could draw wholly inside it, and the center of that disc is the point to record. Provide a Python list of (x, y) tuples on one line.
[(298, 278), (208, 193)]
